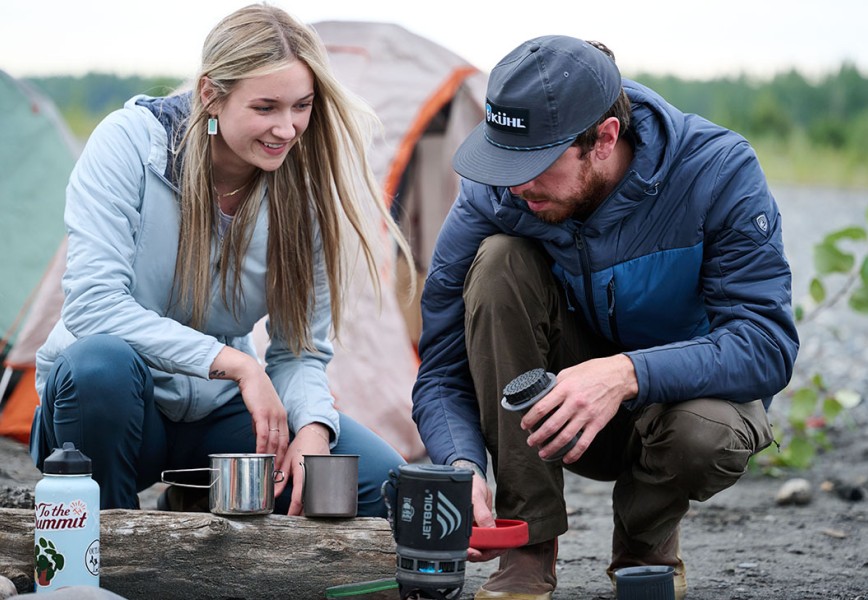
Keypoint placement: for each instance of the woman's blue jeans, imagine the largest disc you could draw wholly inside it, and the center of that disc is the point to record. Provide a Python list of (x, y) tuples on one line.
[(99, 395)]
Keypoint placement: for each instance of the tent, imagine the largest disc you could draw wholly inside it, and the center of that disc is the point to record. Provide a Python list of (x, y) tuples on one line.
[(428, 100), (37, 153)]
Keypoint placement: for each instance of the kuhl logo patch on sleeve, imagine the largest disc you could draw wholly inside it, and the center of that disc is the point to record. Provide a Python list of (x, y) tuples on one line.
[(762, 223)]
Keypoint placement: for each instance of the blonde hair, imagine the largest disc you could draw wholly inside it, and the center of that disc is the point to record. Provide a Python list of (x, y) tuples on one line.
[(324, 182)]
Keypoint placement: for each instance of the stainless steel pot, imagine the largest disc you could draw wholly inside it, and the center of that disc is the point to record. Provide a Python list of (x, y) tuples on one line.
[(241, 484)]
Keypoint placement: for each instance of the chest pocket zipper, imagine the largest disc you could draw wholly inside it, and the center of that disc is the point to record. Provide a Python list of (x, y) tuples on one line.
[(613, 321)]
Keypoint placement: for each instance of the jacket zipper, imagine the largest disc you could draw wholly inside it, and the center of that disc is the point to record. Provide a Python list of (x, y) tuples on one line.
[(567, 288), (586, 275)]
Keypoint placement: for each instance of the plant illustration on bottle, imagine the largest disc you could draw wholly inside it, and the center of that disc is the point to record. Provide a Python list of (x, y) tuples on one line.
[(48, 561)]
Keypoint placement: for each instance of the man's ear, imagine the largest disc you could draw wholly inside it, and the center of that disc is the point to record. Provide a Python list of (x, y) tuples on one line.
[(607, 137)]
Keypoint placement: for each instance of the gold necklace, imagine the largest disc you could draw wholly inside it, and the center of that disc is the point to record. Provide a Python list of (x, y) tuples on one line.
[(233, 192)]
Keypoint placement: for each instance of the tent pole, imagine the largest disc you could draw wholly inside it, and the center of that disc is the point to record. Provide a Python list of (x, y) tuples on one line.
[(4, 383)]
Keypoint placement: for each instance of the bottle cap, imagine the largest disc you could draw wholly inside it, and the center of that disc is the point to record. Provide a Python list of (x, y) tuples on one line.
[(67, 461), (528, 387)]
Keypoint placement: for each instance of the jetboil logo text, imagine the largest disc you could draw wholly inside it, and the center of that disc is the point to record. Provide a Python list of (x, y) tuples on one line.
[(443, 511)]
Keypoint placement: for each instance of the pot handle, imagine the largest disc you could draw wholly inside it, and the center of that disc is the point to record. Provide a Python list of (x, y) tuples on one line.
[(389, 491), (187, 485)]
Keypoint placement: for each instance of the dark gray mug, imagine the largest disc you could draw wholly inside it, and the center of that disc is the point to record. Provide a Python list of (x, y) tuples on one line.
[(649, 582), (331, 485)]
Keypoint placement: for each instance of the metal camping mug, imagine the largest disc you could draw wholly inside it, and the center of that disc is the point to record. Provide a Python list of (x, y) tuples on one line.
[(331, 485), (241, 484)]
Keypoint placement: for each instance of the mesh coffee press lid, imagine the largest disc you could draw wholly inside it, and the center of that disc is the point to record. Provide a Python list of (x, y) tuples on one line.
[(527, 388), (67, 461)]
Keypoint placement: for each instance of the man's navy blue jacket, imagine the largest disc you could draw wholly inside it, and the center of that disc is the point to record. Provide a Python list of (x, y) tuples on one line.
[(682, 266)]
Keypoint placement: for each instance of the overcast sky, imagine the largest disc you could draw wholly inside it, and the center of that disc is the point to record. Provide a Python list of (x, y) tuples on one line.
[(695, 39)]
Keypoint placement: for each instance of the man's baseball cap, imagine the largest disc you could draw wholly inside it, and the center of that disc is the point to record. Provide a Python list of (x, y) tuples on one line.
[(540, 97)]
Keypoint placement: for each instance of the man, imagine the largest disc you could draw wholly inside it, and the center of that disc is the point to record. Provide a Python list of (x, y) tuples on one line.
[(635, 252)]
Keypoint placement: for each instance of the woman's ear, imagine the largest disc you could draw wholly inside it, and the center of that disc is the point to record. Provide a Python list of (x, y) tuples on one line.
[(207, 93)]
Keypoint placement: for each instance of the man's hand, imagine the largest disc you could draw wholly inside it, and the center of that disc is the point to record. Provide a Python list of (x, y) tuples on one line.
[(584, 399), (481, 498)]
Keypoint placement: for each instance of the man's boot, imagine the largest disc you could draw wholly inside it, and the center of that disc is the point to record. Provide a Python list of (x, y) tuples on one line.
[(526, 573), (667, 554)]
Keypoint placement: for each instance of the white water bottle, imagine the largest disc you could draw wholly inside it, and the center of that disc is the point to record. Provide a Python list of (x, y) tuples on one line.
[(67, 522)]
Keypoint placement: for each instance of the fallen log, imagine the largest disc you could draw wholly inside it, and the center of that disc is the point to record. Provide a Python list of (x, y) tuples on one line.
[(153, 554)]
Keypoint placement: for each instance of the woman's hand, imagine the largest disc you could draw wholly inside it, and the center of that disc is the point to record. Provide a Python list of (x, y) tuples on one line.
[(310, 439), (269, 416)]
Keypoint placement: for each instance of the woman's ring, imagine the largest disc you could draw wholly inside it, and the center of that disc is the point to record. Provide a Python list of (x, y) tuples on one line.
[(274, 429)]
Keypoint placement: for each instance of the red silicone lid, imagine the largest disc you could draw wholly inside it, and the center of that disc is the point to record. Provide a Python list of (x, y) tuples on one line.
[(507, 533)]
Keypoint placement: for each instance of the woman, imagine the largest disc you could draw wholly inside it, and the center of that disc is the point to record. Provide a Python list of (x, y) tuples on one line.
[(189, 218)]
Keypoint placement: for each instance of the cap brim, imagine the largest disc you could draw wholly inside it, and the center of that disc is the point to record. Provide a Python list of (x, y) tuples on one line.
[(479, 160)]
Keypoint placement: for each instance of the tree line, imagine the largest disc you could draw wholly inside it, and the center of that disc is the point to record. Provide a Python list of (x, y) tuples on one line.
[(790, 111), (831, 111)]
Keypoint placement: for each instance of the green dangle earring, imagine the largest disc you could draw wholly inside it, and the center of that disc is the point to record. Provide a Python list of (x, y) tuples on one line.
[(212, 126)]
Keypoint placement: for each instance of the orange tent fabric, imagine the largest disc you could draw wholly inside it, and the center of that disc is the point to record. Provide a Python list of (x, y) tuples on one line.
[(17, 416)]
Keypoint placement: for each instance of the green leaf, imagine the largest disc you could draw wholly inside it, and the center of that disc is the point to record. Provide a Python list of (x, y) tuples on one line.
[(800, 453), (829, 259), (848, 233), (58, 562), (821, 440), (858, 300), (831, 409), (43, 543), (863, 271), (817, 381), (817, 290), (803, 404), (799, 312)]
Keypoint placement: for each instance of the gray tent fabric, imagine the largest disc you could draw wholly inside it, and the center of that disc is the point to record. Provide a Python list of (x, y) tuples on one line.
[(428, 99)]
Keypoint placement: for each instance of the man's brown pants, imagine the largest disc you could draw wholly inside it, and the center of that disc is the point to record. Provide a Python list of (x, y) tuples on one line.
[(660, 457)]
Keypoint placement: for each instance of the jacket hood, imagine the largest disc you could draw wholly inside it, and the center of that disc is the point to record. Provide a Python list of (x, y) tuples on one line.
[(657, 128), (172, 112)]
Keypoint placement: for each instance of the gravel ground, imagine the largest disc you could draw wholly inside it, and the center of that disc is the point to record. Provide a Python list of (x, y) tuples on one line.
[(741, 544)]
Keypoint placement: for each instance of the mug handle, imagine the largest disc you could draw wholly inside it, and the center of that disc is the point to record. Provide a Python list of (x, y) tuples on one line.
[(278, 476), (391, 482), (188, 485)]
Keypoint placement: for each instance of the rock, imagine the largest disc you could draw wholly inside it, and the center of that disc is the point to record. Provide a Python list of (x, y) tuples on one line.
[(851, 491), (795, 491), (7, 588), (16, 497)]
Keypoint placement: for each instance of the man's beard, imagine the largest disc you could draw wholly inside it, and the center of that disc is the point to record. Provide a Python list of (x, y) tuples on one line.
[(579, 206)]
